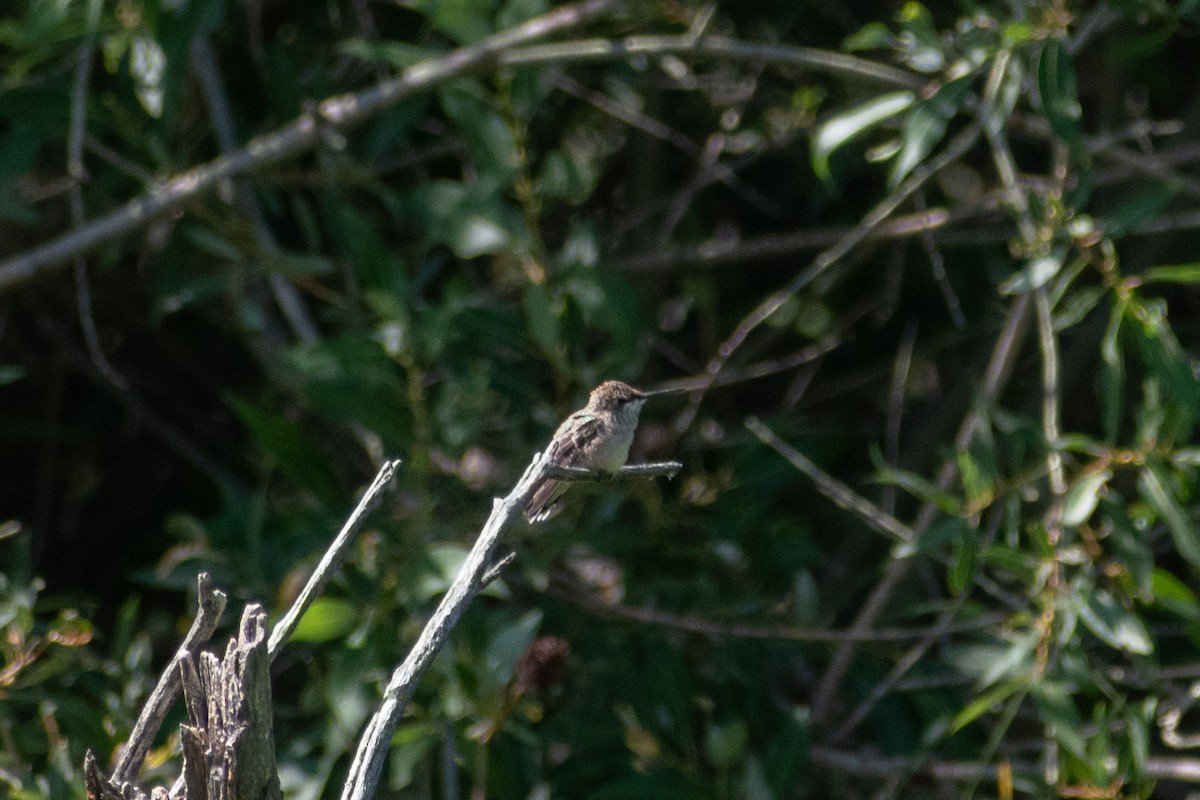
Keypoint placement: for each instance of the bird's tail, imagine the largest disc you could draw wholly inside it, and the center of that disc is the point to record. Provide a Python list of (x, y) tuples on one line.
[(544, 505)]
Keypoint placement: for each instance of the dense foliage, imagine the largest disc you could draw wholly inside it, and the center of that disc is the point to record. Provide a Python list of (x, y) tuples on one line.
[(929, 271)]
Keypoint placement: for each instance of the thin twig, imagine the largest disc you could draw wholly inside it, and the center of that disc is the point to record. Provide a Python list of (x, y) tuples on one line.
[(1050, 413), (831, 487), (332, 559), (299, 136), (498, 566), (897, 391), (667, 469), (221, 115), (720, 630), (724, 252), (872, 765), (119, 162), (773, 366), (809, 58), (210, 604), (937, 266), (75, 167)]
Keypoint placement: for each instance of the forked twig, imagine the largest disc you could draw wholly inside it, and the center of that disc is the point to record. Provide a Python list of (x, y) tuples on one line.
[(479, 567)]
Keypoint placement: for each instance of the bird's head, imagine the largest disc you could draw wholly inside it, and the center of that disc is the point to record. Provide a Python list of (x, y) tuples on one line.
[(615, 395)]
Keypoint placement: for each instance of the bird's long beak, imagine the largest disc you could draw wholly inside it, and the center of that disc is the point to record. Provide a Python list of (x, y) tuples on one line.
[(663, 392)]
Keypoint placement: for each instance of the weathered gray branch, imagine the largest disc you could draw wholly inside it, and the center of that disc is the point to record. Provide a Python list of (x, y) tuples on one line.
[(332, 559), (667, 469), (228, 743), (724, 48), (373, 747), (210, 604), (228, 701), (299, 136), (472, 576)]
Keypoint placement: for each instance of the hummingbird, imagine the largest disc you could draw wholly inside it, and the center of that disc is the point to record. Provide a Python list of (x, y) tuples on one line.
[(596, 437)]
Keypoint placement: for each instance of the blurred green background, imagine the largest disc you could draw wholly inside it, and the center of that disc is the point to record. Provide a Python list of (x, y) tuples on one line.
[(1002, 373)]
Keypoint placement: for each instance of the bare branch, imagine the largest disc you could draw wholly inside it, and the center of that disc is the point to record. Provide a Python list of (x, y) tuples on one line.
[(297, 137), (877, 766), (372, 750), (666, 468), (714, 629), (210, 604), (332, 559), (726, 49)]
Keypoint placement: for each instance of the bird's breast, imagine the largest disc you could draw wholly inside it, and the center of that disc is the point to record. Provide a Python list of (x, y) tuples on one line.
[(611, 450)]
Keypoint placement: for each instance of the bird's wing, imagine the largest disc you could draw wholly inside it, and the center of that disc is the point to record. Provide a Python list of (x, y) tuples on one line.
[(569, 440), (566, 450)]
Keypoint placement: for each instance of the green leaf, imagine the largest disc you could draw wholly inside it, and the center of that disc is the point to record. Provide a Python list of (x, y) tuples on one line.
[(844, 127), (1060, 105), (508, 644), (1083, 497), (917, 485), (288, 447), (1129, 546), (1077, 305), (477, 235), (1168, 366), (1012, 658), (787, 758), (1057, 707), (977, 471), (488, 136), (1175, 596), (361, 243), (432, 574), (1112, 374), (948, 531), (1114, 624), (409, 744), (983, 704), (566, 176), (350, 379), (725, 745), (440, 565), (1141, 207), (325, 620), (542, 315), (211, 243), (925, 127), (872, 36), (962, 568), (293, 265), (1033, 275), (471, 220), (1154, 489), (1057, 88), (1174, 273), (399, 55), (464, 21)]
